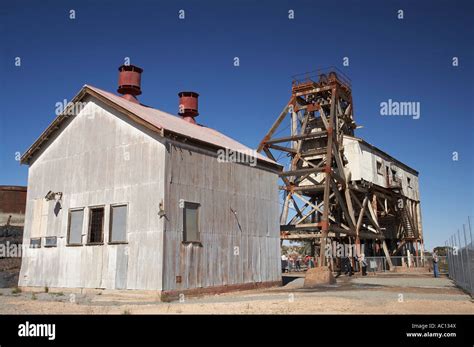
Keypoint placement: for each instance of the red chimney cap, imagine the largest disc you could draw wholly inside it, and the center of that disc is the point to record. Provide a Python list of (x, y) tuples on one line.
[(130, 68), (130, 80), (193, 94), (188, 106)]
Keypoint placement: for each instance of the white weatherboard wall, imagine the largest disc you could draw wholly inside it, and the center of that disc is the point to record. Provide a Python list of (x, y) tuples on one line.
[(99, 158), (363, 165)]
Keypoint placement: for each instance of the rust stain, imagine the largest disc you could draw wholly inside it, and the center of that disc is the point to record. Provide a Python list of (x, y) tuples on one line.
[(170, 295)]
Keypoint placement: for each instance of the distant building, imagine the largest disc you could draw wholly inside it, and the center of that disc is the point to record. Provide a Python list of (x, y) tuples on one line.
[(12, 205), (390, 178)]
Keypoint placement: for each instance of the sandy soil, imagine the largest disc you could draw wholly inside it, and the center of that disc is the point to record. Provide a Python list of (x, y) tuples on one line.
[(382, 294)]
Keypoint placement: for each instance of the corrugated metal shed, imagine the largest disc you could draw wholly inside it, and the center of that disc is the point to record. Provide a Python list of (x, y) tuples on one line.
[(113, 152)]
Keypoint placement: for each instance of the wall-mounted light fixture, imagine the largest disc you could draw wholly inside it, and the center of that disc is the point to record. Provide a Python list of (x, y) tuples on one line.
[(161, 212), (53, 196)]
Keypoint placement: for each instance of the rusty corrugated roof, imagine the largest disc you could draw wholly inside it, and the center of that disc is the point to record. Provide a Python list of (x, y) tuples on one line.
[(156, 118)]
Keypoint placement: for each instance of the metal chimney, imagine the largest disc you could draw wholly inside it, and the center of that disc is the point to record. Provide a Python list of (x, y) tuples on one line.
[(129, 82), (188, 106)]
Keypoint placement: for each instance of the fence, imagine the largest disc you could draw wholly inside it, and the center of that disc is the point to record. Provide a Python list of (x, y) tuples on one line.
[(379, 264), (460, 251)]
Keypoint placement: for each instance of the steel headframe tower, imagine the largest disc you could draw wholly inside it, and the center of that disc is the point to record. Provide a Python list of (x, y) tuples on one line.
[(315, 181)]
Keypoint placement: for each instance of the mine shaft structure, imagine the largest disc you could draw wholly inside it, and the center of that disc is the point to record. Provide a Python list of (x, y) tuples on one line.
[(316, 183)]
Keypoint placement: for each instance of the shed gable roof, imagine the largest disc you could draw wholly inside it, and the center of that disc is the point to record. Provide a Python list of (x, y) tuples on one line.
[(152, 118)]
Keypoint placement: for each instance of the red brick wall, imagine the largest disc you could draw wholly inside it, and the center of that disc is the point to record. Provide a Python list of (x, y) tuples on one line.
[(12, 199)]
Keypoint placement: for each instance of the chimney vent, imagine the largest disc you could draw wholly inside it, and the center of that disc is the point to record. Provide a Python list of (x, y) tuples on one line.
[(188, 106), (129, 82)]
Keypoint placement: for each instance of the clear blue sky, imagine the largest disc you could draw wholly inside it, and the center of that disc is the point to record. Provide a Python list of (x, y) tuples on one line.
[(406, 60)]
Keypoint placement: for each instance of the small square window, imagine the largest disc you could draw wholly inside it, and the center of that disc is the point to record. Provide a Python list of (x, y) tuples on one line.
[(35, 243), (50, 241), (191, 222), (96, 225)]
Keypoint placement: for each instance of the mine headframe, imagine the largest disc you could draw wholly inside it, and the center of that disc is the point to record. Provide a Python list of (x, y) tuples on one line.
[(315, 182)]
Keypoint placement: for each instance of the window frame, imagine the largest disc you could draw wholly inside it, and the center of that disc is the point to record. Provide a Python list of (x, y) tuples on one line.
[(394, 175), (50, 237), (111, 216), (379, 171), (186, 206), (68, 244), (35, 238), (89, 225)]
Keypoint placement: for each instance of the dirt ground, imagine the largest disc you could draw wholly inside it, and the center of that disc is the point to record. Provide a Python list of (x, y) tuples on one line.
[(379, 294)]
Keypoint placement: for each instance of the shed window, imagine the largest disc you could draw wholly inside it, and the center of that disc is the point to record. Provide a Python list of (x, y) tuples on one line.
[(35, 243), (409, 182), (118, 224), (379, 167), (50, 241), (96, 225), (191, 222), (76, 220)]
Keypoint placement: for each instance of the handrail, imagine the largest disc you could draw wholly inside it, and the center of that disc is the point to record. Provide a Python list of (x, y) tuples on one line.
[(314, 76)]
